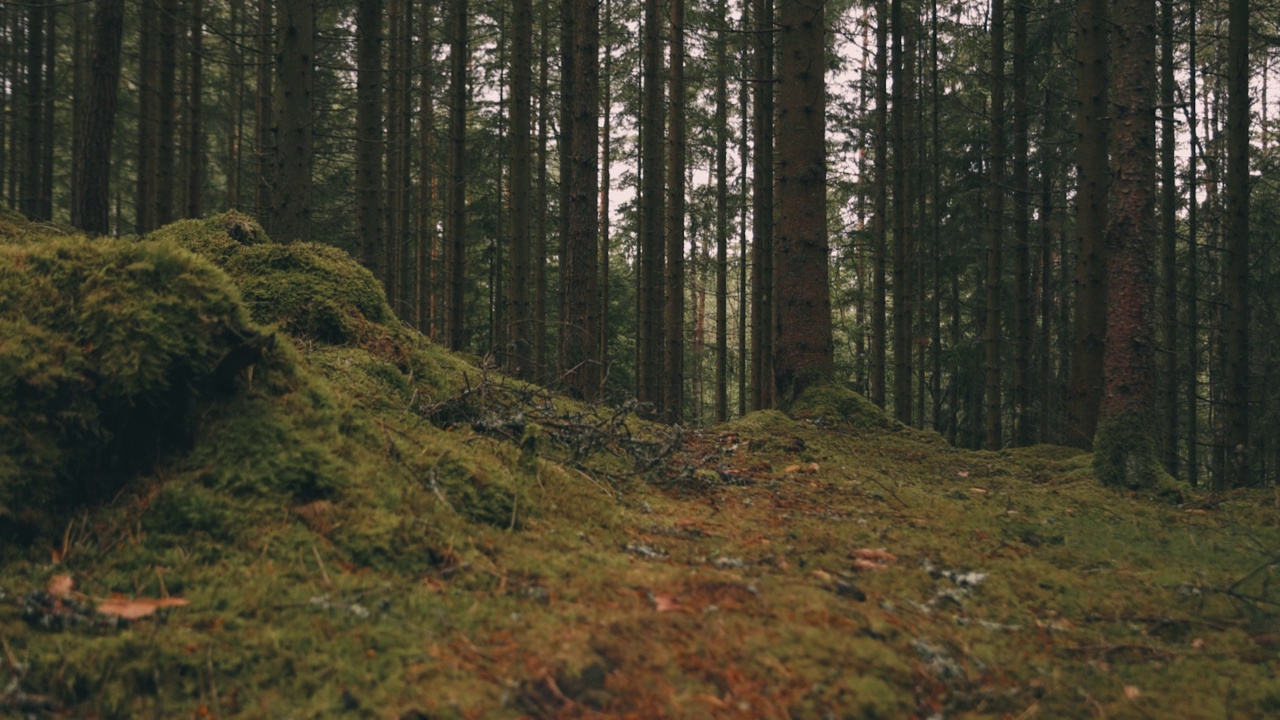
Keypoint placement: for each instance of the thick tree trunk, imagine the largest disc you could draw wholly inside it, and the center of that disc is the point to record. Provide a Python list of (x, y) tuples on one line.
[(235, 104), (540, 211), (722, 216), (166, 113), (1089, 325), (1125, 453), (1023, 310), (1168, 241), (880, 207), (92, 198), (264, 112), (194, 145), (650, 290), (33, 99), (803, 338)]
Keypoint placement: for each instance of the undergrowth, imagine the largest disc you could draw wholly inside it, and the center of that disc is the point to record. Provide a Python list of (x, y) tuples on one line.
[(364, 524)]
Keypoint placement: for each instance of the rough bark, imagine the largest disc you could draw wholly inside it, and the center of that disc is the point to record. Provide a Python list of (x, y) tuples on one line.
[(650, 291), (369, 137), (520, 357), (457, 223), (1236, 280), (91, 209), (880, 207), (762, 202), (995, 234), (673, 312), (804, 354)]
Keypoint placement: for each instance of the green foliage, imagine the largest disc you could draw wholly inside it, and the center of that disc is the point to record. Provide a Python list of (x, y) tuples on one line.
[(837, 404), (1124, 456)]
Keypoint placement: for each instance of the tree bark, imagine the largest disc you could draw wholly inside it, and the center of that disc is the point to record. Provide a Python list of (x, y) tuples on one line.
[(194, 145), (995, 234), (1089, 324), (805, 354), (880, 207), (457, 227), (722, 216), (762, 202), (673, 315), (520, 359), (91, 208), (1236, 290), (650, 290), (290, 213), (1125, 453), (369, 142)]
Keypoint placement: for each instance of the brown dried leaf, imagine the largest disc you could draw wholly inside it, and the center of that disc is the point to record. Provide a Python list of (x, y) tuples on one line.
[(870, 554), (1132, 692), (137, 608), (666, 603), (61, 586), (861, 564), (792, 469)]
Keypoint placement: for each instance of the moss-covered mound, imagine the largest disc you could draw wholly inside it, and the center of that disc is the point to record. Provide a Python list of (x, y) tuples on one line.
[(235, 486), (313, 291), (108, 349)]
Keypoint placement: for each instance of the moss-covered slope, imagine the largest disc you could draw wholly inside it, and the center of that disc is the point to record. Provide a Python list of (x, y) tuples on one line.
[(366, 526)]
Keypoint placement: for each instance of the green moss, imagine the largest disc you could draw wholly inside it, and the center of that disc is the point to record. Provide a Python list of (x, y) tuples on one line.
[(836, 404), (1124, 455)]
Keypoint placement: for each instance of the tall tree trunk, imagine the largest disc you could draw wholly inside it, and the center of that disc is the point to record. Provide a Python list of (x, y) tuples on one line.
[(235, 103), (1168, 241), (762, 251), (1023, 310), (722, 215), (1125, 452), (80, 73), (369, 213), (673, 317), (995, 233), (92, 198), (457, 227), (880, 206), (34, 97), (744, 108), (650, 290), (540, 210), (424, 285), (579, 344), (148, 118), (901, 211), (935, 344), (1193, 226), (1236, 278), (290, 214), (47, 107), (606, 182), (389, 179), (520, 360), (264, 111), (166, 113), (194, 145), (805, 352), (1089, 324)]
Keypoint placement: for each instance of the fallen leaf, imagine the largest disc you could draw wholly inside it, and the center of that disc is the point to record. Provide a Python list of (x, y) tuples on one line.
[(1197, 511), (1132, 692), (870, 554), (811, 468), (1198, 643), (792, 469), (980, 491), (963, 474), (822, 575), (860, 564), (666, 603), (137, 608), (61, 586)]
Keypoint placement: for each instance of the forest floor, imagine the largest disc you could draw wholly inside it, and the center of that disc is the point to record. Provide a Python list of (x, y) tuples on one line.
[(351, 522)]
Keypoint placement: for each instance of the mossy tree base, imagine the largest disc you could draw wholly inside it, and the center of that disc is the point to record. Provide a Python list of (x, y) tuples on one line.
[(1124, 455)]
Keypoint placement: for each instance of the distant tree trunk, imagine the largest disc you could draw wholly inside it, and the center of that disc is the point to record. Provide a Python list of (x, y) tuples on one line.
[(935, 344), (17, 119), (520, 360), (722, 215), (1089, 325), (606, 181), (194, 145), (1236, 278), (805, 352), (167, 113), (369, 137), (762, 251), (90, 211), (34, 97), (579, 344), (264, 111), (1023, 310), (80, 73), (424, 285), (880, 207), (457, 228), (901, 282), (7, 95), (389, 179), (1168, 241), (1193, 313), (540, 192), (995, 232), (673, 381), (744, 103), (650, 289), (47, 105), (148, 118), (289, 217), (1125, 452), (235, 103)]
